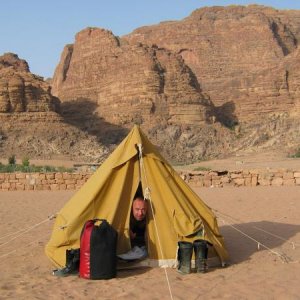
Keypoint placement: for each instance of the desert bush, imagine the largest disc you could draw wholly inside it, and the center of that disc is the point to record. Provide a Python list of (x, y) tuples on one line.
[(10, 168), (64, 169), (25, 162), (296, 154), (201, 169), (12, 160)]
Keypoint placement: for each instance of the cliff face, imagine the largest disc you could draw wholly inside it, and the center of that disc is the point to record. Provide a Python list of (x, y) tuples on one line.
[(130, 82), (235, 53), (46, 135), (29, 123), (181, 80), (22, 91)]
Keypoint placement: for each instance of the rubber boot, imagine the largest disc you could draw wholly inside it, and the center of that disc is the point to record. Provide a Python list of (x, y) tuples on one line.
[(72, 264), (201, 251), (185, 252)]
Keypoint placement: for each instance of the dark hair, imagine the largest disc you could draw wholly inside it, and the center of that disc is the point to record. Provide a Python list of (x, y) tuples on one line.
[(139, 198), (139, 192)]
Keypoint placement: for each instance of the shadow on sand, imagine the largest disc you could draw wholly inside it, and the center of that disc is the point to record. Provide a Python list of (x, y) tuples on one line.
[(125, 273), (271, 234)]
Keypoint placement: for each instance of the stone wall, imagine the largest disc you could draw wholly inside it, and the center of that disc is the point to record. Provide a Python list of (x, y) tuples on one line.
[(73, 181), (255, 177), (42, 181)]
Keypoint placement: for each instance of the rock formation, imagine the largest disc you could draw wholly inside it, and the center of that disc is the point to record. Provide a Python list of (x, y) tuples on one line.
[(46, 135), (234, 52), (236, 65), (181, 80), (22, 91), (29, 124), (130, 82)]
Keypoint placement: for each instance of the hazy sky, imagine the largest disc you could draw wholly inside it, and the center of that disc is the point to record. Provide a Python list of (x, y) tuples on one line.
[(38, 30)]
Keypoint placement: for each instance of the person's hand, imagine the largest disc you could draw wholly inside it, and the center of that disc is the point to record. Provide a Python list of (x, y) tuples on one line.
[(132, 235)]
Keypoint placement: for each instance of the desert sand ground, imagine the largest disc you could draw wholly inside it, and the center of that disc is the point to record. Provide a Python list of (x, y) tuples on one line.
[(269, 215), (263, 160)]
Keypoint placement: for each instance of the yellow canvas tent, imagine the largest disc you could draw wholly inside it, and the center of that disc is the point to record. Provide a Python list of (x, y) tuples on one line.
[(176, 213)]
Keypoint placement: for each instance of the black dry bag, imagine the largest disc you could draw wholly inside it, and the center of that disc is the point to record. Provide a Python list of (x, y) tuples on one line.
[(98, 247)]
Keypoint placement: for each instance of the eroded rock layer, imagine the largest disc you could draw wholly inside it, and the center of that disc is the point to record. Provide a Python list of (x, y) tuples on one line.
[(29, 123), (46, 135), (181, 80), (22, 91), (235, 52), (131, 83)]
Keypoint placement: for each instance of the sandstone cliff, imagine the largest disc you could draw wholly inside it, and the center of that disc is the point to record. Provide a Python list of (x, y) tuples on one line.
[(181, 80), (234, 52), (124, 83), (130, 82), (29, 124), (45, 135), (22, 91)]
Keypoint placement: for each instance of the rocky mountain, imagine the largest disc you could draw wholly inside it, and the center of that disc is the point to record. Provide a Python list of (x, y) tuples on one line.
[(30, 123), (129, 82), (241, 57), (221, 81), (22, 91)]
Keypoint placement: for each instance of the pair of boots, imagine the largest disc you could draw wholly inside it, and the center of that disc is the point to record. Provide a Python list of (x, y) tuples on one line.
[(185, 252), (72, 264)]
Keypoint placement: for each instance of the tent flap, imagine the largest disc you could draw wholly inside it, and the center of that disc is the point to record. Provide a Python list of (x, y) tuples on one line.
[(186, 225)]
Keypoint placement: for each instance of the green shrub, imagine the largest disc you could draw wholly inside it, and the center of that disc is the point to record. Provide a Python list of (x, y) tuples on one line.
[(12, 160), (202, 169), (10, 168), (296, 154), (48, 169), (25, 162), (64, 169)]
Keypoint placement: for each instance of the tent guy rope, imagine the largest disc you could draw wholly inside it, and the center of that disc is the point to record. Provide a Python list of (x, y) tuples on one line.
[(27, 230), (293, 244), (22, 232), (284, 258), (147, 195)]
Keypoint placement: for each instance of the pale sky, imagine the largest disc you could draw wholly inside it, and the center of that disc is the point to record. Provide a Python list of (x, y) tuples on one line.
[(38, 30)]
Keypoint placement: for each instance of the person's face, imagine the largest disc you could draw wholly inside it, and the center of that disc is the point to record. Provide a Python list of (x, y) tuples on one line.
[(139, 209)]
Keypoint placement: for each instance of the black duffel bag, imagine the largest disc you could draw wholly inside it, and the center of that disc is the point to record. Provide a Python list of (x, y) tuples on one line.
[(98, 249)]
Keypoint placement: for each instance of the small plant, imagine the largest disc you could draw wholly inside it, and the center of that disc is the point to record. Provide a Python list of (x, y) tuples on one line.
[(25, 162), (25, 167), (64, 169), (12, 160), (48, 169), (296, 154), (202, 169)]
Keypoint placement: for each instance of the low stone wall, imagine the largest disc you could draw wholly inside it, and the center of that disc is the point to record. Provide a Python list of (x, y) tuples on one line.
[(42, 181), (73, 181), (262, 177)]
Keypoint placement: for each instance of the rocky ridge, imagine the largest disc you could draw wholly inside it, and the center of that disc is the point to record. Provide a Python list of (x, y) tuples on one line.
[(224, 80), (234, 52), (129, 82), (22, 91), (30, 125), (45, 135)]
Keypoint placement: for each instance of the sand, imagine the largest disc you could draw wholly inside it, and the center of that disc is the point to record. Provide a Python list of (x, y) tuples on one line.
[(267, 214), (262, 160)]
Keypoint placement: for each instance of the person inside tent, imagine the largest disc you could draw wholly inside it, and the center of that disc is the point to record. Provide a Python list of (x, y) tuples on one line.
[(138, 222), (137, 230)]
